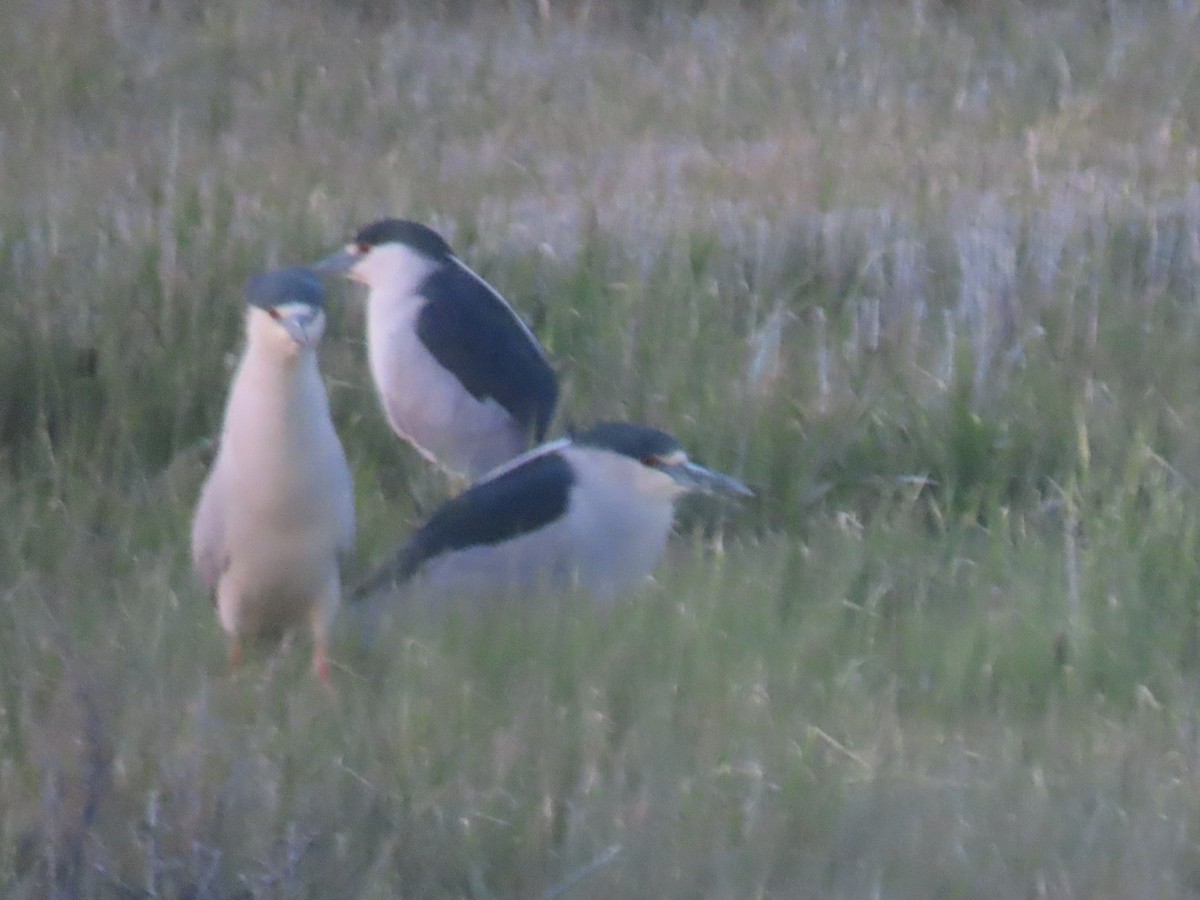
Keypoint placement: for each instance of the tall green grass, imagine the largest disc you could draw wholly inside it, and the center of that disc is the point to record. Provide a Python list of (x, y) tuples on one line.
[(925, 275)]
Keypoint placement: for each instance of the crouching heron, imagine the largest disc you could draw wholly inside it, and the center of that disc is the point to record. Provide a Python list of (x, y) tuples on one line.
[(595, 509)]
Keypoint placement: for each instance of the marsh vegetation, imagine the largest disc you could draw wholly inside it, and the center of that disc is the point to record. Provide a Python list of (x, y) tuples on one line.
[(926, 275)]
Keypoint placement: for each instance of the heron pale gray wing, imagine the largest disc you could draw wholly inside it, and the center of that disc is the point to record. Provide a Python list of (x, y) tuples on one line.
[(209, 555)]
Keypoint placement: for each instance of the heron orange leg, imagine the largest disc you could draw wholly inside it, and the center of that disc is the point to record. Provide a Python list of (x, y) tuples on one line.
[(321, 663)]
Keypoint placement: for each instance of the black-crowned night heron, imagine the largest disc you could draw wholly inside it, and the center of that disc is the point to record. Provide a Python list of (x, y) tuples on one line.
[(595, 510), (276, 516), (459, 375)]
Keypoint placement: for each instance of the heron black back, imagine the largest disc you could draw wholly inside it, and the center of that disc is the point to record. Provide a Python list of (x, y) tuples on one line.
[(516, 502), (472, 332)]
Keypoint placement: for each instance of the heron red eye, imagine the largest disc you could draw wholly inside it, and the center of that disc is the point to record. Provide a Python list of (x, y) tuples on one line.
[(651, 462), (362, 248), (274, 313)]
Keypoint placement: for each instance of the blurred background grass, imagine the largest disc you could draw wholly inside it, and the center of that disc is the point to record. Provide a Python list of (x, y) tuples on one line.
[(926, 275)]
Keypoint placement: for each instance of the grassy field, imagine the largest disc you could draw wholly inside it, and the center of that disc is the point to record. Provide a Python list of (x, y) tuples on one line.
[(927, 276)]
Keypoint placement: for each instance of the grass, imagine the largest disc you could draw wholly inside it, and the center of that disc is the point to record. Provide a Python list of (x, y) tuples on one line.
[(923, 274)]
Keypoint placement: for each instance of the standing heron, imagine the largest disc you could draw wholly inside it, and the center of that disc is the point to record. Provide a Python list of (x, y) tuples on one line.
[(459, 375), (276, 516)]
